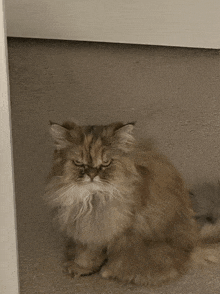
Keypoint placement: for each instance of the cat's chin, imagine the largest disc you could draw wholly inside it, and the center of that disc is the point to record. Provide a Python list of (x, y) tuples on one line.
[(97, 186), (90, 185), (95, 183), (87, 179), (93, 186)]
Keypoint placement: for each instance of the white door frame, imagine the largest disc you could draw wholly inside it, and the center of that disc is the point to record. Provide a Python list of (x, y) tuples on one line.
[(8, 242)]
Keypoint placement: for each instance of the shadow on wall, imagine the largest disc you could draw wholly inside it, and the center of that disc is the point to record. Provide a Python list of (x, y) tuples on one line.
[(206, 203)]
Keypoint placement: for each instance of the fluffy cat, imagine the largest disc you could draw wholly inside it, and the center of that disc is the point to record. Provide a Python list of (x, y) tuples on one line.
[(123, 206)]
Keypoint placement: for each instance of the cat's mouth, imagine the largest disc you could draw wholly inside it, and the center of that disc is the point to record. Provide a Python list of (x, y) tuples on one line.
[(87, 180), (91, 184), (96, 185)]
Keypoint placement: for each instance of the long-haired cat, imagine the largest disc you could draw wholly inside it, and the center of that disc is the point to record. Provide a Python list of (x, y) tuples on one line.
[(123, 206)]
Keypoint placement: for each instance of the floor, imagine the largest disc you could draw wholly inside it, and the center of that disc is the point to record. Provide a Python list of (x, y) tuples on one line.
[(172, 93)]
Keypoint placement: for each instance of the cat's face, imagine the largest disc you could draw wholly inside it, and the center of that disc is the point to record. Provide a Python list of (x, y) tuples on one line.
[(91, 155), (90, 161)]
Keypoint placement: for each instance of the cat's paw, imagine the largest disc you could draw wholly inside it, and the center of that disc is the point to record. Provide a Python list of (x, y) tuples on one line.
[(106, 273), (144, 279), (207, 255), (75, 270)]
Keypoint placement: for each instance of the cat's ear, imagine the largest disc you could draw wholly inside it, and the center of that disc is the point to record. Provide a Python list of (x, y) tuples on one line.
[(60, 135), (123, 137)]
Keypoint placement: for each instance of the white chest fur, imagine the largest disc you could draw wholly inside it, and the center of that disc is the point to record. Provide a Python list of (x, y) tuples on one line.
[(102, 222), (93, 213)]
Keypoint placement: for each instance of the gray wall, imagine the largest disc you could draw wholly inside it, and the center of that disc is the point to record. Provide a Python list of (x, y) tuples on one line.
[(172, 93)]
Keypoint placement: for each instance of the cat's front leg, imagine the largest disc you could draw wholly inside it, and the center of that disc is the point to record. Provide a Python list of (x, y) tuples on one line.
[(84, 259)]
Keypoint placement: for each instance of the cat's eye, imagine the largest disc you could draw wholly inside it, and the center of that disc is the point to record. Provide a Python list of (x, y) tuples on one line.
[(78, 163), (106, 163)]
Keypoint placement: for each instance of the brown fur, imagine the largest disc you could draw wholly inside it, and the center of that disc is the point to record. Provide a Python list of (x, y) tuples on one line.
[(123, 205)]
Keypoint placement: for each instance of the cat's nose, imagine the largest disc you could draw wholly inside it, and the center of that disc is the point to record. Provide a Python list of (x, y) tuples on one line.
[(92, 173)]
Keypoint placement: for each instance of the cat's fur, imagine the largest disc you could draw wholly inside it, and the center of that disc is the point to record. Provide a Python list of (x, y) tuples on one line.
[(124, 207)]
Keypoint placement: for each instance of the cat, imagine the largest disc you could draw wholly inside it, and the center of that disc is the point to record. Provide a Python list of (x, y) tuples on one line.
[(123, 206)]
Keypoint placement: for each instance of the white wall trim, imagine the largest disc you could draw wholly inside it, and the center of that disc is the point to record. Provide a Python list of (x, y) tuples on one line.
[(189, 23), (8, 248)]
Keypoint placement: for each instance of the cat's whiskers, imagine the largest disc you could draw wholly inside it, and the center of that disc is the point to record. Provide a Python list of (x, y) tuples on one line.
[(115, 192)]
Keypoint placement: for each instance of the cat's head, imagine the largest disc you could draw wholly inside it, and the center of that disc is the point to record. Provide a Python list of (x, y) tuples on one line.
[(86, 154)]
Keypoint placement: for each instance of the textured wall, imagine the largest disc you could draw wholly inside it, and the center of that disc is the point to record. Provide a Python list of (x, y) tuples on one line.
[(172, 93)]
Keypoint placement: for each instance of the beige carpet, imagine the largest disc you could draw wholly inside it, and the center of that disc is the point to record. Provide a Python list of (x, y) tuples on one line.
[(172, 93)]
